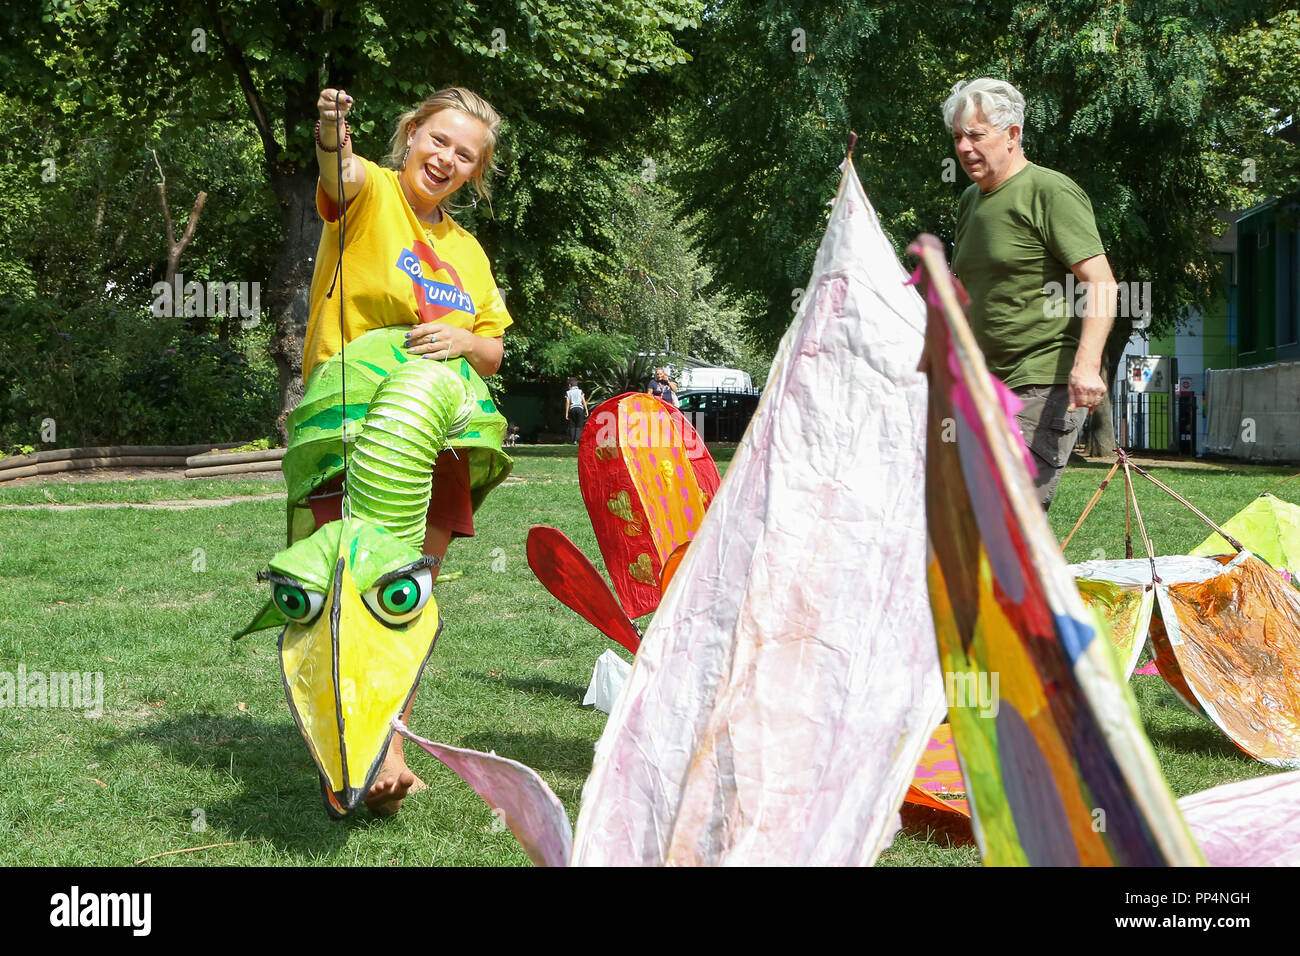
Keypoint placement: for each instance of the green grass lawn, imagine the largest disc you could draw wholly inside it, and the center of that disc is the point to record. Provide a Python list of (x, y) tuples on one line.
[(196, 745)]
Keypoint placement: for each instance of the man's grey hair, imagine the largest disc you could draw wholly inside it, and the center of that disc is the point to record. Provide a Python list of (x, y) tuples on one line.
[(997, 99)]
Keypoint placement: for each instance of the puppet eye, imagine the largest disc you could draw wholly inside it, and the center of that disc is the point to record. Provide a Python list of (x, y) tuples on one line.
[(298, 604), (402, 598)]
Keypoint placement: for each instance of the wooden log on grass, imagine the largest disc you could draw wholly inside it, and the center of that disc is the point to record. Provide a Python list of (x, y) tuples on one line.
[(239, 458), (84, 464), (216, 471), (109, 451), (101, 456)]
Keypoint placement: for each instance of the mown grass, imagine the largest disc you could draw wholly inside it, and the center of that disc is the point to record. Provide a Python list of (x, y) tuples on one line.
[(137, 491), (196, 745)]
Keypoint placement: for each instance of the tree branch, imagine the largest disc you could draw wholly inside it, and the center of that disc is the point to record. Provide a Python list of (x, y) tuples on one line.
[(162, 194), (174, 248), (270, 148)]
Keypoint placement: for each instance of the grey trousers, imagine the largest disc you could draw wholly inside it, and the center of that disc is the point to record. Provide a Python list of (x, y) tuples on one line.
[(1049, 432)]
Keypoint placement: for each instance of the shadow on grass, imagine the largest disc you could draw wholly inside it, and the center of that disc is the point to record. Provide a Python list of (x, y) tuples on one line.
[(1204, 740), (539, 751), (279, 800), (532, 685), (1168, 722)]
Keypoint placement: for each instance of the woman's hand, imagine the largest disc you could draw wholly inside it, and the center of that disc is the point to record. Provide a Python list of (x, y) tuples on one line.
[(331, 153), (332, 106), (438, 340)]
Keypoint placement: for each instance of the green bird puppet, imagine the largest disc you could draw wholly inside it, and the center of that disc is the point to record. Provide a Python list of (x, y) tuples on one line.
[(354, 597)]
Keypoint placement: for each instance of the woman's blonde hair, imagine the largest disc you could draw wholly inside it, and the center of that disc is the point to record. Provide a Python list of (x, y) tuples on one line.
[(452, 98)]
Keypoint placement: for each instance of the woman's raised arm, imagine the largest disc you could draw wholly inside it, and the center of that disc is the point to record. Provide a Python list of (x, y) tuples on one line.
[(333, 106)]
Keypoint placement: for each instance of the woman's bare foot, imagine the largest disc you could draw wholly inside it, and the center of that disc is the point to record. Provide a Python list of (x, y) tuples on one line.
[(394, 783)]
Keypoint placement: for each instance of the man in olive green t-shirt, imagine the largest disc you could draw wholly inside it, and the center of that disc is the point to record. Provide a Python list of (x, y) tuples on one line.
[(1021, 228)]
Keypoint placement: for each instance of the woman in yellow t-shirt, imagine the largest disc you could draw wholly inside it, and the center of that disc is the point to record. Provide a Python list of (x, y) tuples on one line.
[(407, 263)]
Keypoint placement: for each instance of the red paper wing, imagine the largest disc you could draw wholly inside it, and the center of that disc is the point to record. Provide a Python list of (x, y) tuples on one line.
[(647, 480), (575, 582)]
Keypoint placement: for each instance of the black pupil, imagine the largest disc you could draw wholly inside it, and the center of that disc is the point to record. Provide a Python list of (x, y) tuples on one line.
[(400, 595), (292, 600)]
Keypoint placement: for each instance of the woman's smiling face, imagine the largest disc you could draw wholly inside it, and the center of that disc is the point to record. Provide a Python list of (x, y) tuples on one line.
[(446, 150)]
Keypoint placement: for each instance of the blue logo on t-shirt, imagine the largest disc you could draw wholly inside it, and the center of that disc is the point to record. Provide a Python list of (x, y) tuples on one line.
[(436, 293)]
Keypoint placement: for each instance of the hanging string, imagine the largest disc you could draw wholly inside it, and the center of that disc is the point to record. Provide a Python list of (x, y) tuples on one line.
[(344, 509)]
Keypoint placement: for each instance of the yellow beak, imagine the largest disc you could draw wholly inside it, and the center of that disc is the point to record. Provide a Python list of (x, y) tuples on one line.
[(347, 675)]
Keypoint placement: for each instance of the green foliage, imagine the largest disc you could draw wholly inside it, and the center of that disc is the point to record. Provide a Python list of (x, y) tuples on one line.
[(578, 84), (1129, 100), (1262, 89), (665, 166), (82, 198), (598, 359), (108, 375), (644, 298), (775, 94)]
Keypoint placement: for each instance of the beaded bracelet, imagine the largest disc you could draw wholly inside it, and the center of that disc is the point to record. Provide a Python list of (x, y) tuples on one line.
[(347, 132)]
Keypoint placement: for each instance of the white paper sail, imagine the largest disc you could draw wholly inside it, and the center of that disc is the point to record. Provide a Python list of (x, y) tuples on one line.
[(790, 680), (1248, 823)]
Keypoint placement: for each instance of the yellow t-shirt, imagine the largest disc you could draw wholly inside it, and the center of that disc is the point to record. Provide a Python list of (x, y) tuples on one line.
[(396, 271)]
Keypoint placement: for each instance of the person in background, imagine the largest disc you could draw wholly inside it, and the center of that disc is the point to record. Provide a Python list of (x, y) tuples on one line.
[(662, 387), (575, 410), (1020, 229)]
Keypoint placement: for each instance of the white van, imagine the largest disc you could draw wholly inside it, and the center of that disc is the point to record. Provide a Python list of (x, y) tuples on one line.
[(714, 379)]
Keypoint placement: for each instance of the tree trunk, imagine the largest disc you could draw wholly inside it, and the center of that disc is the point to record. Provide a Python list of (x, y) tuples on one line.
[(1101, 423), (294, 184), (289, 298)]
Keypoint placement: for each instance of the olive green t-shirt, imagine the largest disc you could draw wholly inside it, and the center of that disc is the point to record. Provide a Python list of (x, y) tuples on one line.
[(1011, 242)]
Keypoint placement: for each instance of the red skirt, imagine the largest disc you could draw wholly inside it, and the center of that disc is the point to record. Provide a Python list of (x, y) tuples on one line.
[(450, 506)]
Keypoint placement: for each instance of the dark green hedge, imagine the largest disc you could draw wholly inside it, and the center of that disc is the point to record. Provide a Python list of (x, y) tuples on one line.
[(109, 375)]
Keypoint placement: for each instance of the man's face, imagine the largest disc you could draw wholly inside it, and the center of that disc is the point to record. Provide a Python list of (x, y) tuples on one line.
[(985, 151)]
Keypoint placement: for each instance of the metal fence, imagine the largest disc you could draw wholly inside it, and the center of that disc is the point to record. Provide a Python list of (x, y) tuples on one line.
[(1147, 411)]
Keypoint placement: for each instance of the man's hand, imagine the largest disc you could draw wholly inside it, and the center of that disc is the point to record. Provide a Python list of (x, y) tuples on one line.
[(1086, 388)]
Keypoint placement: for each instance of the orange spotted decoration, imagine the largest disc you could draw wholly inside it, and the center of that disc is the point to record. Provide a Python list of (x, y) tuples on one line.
[(647, 480)]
